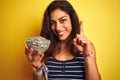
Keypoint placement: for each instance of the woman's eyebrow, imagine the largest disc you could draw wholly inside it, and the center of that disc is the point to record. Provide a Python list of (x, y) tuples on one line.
[(59, 18), (62, 17), (51, 20)]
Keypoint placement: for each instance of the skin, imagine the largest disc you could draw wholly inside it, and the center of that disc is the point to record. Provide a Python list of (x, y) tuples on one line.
[(61, 27)]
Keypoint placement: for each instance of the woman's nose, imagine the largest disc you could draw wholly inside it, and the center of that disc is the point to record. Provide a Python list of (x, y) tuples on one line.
[(58, 26)]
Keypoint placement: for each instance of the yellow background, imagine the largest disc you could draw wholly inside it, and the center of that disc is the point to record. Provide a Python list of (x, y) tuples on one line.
[(21, 19)]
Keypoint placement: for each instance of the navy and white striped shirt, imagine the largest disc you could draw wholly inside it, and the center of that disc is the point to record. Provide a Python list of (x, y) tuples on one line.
[(73, 69)]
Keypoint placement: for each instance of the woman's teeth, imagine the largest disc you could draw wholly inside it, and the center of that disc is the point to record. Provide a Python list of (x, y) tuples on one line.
[(61, 33)]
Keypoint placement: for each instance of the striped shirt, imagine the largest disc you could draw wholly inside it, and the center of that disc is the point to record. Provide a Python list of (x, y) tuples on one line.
[(73, 69)]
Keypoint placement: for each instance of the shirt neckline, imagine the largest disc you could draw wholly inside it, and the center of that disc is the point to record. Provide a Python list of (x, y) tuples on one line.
[(69, 60)]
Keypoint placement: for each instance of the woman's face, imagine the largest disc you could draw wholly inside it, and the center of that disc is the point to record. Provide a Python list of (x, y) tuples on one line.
[(60, 23)]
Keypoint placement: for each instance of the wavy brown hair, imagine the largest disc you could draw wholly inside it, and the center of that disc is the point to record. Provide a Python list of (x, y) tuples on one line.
[(47, 32)]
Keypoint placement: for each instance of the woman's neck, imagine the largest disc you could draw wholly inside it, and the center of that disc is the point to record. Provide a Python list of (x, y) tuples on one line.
[(64, 53)]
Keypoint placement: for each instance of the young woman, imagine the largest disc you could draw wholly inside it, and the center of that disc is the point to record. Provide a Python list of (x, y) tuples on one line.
[(71, 56)]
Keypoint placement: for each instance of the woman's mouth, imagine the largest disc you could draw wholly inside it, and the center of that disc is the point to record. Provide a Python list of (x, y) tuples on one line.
[(61, 33)]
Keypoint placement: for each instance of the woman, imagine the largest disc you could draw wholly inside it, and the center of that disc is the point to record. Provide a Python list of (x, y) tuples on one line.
[(71, 56)]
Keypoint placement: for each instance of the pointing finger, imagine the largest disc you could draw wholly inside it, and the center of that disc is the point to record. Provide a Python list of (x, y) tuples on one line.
[(81, 28)]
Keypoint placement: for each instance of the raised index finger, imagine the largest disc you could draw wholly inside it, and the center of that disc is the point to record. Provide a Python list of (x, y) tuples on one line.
[(81, 28)]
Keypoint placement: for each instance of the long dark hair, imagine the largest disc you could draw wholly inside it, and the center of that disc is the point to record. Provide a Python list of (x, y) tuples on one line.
[(47, 32)]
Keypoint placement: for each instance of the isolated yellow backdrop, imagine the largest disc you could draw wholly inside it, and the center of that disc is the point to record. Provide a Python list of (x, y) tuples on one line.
[(21, 19)]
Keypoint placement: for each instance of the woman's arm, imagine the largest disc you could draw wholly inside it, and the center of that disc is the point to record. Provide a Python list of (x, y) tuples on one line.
[(36, 62), (87, 48), (91, 69), (38, 77)]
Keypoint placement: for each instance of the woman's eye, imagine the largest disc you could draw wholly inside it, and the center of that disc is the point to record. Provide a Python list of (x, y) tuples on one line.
[(63, 20), (52, 23)]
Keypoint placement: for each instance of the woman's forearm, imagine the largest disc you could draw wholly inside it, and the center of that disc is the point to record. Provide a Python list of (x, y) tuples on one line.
[(91, 70), (37, 76)]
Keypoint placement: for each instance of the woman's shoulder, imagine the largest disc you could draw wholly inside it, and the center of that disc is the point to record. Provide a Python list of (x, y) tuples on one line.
[(79, 56)]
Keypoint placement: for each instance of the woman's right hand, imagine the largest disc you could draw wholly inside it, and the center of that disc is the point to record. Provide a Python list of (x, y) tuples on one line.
[(34, 59)]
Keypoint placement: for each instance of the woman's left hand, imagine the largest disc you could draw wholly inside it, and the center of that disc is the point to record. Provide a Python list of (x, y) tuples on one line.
[(83, 44)]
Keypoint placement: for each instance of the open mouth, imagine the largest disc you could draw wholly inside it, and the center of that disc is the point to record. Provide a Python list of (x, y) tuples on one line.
[(61, 33)]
